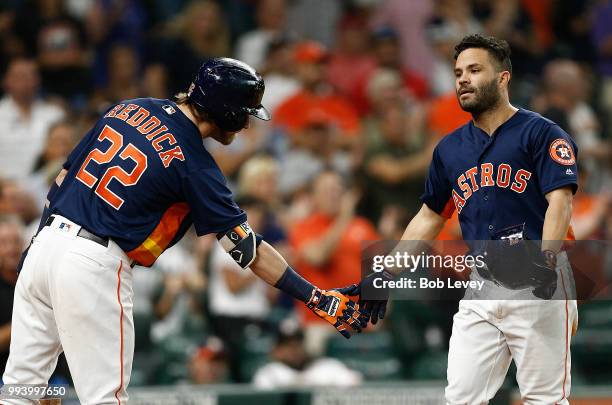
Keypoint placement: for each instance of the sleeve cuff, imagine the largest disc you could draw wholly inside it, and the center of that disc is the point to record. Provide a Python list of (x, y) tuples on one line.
[(559, 184), (237, 221), (446, 211)]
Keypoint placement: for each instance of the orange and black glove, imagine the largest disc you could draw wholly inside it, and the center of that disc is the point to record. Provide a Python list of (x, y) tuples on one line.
[(336, 308)]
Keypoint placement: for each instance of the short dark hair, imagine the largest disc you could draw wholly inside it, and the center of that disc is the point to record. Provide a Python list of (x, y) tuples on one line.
[(497, 48)]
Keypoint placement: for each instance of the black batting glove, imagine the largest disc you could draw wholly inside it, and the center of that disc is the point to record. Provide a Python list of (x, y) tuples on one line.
[(373, 301)]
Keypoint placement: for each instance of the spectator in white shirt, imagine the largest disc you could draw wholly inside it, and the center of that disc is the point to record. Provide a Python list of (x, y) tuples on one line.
[(24, 119), (278, 72)]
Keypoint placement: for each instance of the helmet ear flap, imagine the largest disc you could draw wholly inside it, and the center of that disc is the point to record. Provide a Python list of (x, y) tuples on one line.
[(230, 119)]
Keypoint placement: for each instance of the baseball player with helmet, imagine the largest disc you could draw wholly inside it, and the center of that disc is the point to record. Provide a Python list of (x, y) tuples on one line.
[(511, 175), (131, 189)]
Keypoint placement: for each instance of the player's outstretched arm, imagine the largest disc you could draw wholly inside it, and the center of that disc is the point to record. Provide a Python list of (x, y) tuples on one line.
[(425, 226), (333, 306)]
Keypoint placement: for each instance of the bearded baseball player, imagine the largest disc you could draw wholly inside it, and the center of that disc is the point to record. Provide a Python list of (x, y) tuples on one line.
[(130, 190), (511, 175)]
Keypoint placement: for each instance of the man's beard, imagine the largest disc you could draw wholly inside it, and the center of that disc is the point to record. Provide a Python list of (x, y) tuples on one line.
[(485, 98)]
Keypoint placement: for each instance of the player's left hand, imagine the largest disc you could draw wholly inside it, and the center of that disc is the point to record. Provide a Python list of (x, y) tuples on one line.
[(338, 309)]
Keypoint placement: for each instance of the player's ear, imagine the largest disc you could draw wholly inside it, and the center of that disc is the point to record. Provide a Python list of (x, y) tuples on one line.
[(504, 78)]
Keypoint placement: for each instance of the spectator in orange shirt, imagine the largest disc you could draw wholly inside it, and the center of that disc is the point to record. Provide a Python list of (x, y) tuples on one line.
[(316, 94), (589, 214), (445, 115), (327, 244)]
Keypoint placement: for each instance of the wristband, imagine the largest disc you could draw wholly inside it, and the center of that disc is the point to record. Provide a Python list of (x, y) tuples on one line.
[(314, 299), (295, 285)]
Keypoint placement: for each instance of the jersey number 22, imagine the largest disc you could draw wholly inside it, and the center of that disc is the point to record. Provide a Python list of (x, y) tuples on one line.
[(113, 172)]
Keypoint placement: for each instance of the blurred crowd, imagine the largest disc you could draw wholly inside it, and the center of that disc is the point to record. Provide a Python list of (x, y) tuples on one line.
[(360, 93)]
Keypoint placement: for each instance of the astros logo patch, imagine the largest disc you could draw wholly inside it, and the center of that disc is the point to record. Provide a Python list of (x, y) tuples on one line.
[(561, 152)]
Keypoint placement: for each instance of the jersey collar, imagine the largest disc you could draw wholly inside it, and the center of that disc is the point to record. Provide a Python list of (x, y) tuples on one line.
[(510, 122), (183, 119)]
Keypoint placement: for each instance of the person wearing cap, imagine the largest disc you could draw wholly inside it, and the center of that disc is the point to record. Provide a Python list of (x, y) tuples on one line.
[(209, 363), (278, 72), (316, 94), (386, 48), (291, 366)]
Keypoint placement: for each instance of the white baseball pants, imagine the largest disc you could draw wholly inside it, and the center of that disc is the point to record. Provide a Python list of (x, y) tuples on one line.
[(487, 335), (73, 295)]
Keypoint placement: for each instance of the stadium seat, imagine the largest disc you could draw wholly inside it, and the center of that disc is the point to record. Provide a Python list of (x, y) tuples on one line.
[(174, 354), (592, 345), (142, 330), (254, 353), (431, 365), (372, 354)]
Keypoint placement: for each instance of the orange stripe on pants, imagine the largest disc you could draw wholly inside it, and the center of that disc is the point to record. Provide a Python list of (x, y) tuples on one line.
[(120, 331)]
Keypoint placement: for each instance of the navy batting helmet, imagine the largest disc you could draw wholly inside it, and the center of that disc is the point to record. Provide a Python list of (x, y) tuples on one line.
[(228, 91)]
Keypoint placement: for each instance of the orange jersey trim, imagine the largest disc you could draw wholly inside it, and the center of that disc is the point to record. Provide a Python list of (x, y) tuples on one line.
[(570, 234), (241, 232), (570, 239), (162, 235), (448, 209)]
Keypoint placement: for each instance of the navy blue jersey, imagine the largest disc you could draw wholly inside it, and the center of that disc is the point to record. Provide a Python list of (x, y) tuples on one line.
[(500, 181), (142, 177)]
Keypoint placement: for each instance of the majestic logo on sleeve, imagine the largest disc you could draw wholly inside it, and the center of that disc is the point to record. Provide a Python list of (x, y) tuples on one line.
[(503, 177), (561, 152)]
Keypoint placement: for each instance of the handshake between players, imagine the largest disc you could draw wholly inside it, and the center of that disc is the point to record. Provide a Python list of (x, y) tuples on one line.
[(334, 306)]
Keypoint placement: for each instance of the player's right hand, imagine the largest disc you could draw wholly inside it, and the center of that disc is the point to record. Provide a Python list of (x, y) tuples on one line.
[(373, 300), (545, 275), (337, 309)]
